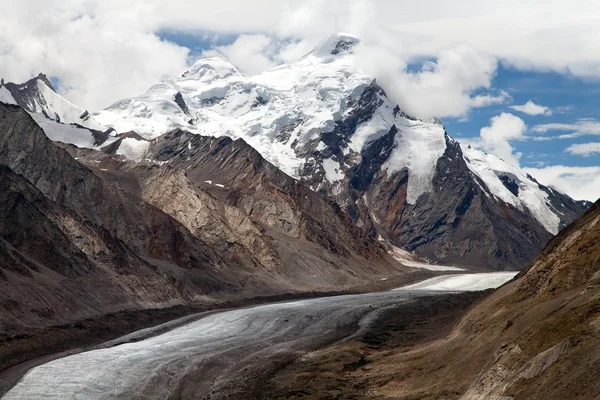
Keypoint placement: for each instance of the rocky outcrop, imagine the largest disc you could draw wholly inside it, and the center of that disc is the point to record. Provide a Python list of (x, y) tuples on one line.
[(238, 175), (227, 194)]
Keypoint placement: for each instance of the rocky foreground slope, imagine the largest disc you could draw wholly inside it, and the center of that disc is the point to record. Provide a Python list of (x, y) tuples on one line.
[(537, 337), (80, 240)]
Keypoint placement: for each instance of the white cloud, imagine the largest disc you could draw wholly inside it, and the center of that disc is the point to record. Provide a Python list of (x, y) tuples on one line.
[(251, 54), (563, 109), (100, 51), (581, 183), (584, 149), (583, 127), (530, 108), (104, 50), (496, 137), (441, 88)]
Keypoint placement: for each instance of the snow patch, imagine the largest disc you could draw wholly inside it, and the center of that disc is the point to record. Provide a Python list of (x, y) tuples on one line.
[(368, 131), (409, 260), (431, 267), (419, 145), (70, 134), (333, 172), (133, 149), (6, 97), (463, 282)]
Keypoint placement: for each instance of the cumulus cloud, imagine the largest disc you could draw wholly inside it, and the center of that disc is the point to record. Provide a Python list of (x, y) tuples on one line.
[(584, 149), (101, 51), (252, 54), (556, 35), (496, 137), (530, 108), (581, 183), (441, 88)]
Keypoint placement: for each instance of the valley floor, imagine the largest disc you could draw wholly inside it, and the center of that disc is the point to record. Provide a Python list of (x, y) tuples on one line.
[(345, 371), (23, 350), (232, 354)]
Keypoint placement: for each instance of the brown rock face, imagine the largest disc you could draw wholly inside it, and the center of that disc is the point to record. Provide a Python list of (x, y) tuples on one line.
[(228, 195), (458, 222), (77, 240)]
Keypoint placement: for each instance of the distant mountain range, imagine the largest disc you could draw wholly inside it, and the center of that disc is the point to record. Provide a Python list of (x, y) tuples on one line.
[(404, 181)]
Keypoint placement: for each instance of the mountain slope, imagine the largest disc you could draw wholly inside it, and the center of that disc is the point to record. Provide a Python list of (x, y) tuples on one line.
[(334, 128), (534, 338), (127, 235), (224, 192), (60, 119)]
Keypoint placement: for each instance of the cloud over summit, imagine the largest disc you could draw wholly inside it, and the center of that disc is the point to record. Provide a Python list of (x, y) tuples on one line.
[(105, 50)]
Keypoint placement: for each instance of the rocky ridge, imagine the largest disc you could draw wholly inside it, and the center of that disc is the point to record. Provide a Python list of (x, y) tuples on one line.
[(90, 239)]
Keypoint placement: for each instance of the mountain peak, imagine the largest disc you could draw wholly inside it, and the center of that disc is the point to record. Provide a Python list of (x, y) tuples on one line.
[(42, 77), (336, 44), (216, 67), (38, 96)]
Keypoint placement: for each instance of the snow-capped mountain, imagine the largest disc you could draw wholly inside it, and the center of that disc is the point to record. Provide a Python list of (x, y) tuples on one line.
[(61, 120), (291, 114), (512, 186), (332, 127), (39, 96)]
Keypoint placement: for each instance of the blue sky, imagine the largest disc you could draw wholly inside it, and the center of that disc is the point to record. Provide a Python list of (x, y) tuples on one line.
[(570, 98)]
